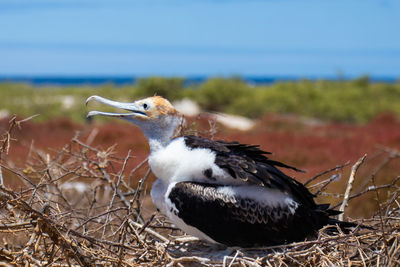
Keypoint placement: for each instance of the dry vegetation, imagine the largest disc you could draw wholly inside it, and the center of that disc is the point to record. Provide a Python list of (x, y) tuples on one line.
[(77, 207)]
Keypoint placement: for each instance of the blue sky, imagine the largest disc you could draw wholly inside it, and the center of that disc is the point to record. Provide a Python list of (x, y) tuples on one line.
[(309, 38)]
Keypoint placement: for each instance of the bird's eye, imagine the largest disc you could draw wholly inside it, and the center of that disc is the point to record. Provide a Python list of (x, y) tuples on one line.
[(145, 106)]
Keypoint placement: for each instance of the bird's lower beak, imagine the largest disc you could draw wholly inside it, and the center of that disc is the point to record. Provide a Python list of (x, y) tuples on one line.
[(136, 110)]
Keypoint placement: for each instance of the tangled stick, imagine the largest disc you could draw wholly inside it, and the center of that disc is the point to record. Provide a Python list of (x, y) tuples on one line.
[(76, 207)]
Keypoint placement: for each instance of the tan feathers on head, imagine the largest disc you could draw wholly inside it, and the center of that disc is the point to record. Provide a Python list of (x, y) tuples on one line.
[(162, 105)]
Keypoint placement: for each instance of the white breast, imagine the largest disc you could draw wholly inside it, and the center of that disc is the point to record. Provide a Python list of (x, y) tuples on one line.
[(178, 162)]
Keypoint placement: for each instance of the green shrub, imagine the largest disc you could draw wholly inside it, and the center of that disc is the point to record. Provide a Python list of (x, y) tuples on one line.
[(350, 101), (218, 94), (169, 88)]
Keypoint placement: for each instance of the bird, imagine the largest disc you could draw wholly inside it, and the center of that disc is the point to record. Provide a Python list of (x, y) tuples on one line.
[(222, 192)]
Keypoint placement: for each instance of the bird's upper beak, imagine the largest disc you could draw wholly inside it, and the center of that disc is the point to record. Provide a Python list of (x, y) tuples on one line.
[(136, 110)]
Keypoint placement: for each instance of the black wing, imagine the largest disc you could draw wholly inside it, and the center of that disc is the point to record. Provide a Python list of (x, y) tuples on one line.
[(239, 221), (250, 163)]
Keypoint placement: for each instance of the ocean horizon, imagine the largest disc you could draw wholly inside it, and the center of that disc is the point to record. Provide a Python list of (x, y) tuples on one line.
[(96, 80)]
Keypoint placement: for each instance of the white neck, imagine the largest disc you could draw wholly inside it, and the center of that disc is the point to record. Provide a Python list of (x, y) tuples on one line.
[(156, 145), (159, 133)]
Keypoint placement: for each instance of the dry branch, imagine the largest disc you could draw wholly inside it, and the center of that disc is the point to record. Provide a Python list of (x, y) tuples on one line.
[(76, 207), (350, 185)]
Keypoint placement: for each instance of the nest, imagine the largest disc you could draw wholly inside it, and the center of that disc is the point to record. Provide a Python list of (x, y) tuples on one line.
[(75, 208)]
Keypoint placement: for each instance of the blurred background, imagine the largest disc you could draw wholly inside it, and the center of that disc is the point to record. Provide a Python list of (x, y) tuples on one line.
[(315, 82)]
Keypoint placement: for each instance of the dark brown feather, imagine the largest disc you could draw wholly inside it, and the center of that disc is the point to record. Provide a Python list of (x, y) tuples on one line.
[(235, 220)]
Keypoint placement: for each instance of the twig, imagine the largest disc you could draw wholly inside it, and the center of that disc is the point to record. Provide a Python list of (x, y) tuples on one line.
[(387, 160), (115, 186), (18, 174), (1, 179), (99, 215), (234, 258), (350, 185), (369, 189), (147, 223), (385, 242), (15, 225), (148, 230), (325, 172), (324, 183)]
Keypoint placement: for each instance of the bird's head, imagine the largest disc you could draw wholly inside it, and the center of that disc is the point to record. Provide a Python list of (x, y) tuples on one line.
[(155, 116)]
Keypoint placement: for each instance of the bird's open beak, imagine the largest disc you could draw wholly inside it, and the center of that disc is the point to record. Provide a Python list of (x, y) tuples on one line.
[(136, 111)]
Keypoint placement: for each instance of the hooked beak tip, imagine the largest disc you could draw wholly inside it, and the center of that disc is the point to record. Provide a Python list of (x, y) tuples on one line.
[(90, 98), (90, 114)]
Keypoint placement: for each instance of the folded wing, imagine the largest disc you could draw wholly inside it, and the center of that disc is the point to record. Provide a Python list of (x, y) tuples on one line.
[(250, 164), (237, 219)]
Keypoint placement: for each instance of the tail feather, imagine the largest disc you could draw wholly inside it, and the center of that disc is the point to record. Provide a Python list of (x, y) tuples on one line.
[(326, 209), (333, 212), (344, 226)]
